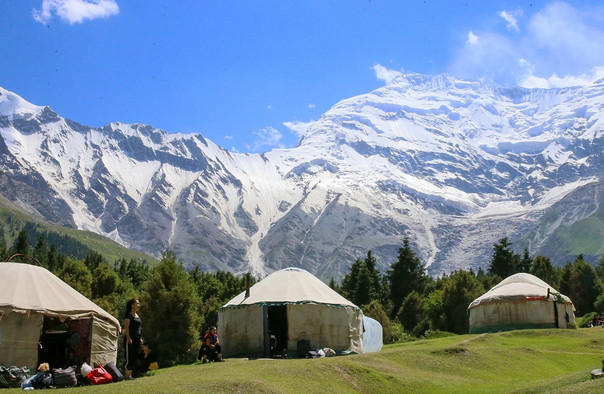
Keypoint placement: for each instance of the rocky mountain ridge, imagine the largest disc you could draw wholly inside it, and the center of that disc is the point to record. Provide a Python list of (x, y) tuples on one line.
[(454, 165)]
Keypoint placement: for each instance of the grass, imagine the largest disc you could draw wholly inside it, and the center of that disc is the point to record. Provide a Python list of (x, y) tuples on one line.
[(527, 361)]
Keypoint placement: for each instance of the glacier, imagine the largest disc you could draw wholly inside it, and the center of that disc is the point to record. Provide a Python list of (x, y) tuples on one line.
[(454, 165)]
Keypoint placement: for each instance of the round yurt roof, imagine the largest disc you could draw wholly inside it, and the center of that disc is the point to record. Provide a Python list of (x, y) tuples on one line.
[(517, 287), (290, 285), (30, 288)]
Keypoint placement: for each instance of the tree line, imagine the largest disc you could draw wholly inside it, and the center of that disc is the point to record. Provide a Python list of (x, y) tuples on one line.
[(178, 306), (407, 302)]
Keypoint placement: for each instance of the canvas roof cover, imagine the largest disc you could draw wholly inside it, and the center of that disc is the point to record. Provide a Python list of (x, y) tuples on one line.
[(516, 287), (25, 287), (290, 285)]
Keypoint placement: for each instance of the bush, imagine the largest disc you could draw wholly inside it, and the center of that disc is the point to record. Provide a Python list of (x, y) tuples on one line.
[(395, 333), (432, 334), (585, 321)]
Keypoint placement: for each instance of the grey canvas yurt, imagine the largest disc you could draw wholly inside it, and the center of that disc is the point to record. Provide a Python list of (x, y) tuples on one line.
[(288, 306), (520, 301), (43, 319)]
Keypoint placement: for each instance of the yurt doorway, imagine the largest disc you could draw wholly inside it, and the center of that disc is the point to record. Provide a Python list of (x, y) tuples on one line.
[(64, 343), (277, 328)]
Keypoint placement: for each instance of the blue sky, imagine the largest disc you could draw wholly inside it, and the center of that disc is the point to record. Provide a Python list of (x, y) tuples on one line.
[(249, 75)]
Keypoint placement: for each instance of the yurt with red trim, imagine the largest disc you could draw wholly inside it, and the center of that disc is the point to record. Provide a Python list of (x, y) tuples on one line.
[(520, 301)]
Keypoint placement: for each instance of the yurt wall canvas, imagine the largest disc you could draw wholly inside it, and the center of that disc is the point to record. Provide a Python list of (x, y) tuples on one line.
[(241, 330), (289, 305), (520, 301), (41, 316)]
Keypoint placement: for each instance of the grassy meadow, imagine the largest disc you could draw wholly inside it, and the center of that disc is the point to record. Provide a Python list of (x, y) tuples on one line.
[(526, 361)]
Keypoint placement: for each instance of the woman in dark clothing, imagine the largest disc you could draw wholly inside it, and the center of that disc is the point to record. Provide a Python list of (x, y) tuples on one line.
[(132, 339)]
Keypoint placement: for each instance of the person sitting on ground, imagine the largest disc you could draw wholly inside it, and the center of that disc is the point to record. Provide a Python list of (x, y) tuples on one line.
[(210, 348), (149, 360)]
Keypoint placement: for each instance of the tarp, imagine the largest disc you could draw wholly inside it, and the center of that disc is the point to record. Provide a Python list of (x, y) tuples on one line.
[(314, 312), (521, 301), (372, 335), (27, 294)]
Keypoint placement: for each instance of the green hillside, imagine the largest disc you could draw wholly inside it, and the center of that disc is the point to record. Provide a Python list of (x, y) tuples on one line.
[(525, 361), (14, 220)]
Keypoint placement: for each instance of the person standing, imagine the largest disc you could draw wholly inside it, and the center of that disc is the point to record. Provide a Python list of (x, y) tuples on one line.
[(133, 337)]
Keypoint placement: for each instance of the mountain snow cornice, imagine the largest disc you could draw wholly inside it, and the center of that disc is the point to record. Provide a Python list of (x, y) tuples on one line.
[(454, 165)]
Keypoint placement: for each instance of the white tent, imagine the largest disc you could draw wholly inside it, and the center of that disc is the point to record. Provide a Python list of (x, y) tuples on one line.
[(288, 306), (43, 319), (521, 301)]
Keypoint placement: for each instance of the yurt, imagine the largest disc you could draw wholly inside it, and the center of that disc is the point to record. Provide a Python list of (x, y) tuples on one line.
[(43, 319), (286, 307), (521, 301)]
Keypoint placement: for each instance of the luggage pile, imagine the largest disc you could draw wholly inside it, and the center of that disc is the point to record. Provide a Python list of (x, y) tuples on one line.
[(13, 377)]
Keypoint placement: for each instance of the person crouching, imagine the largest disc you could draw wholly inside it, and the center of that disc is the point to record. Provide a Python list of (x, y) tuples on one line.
[(210, 348)]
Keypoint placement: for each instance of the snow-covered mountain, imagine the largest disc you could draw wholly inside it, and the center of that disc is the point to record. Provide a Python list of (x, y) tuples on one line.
[(454, 165)]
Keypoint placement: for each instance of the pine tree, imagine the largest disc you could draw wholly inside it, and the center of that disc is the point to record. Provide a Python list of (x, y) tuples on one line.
[(459, 291), (93, 260), (579, 283), (349, 283), (525, 263), (21, 245), (41, 251), (3, 250), (405, 275), (543, 269), (169, 311), (503, 261), (52, 259)]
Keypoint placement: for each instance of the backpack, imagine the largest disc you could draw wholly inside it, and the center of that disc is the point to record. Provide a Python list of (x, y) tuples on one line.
[(13, 376), (303, 348), (42, 380)]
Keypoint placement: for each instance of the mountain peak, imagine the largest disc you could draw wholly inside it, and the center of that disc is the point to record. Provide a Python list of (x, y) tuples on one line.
[(13, 104)]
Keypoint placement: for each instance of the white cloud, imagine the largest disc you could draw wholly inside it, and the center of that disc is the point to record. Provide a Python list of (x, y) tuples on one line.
[(558, 45), (312, 106), (555, 81), (384, 74), (512, 23), (299, 128), (270, 106), (228, 137), (268, 138), (75, 11), (472, 38)]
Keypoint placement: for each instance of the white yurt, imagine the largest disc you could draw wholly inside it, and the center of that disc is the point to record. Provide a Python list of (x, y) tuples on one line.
[(288, 306), (43, 319), (521, 301)]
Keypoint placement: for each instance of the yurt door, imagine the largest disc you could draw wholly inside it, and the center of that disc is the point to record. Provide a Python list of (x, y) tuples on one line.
[(65, 343), (277, 330)]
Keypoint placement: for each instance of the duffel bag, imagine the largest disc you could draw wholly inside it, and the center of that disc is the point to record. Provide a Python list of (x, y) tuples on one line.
[(64, 377), (98, 375)]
